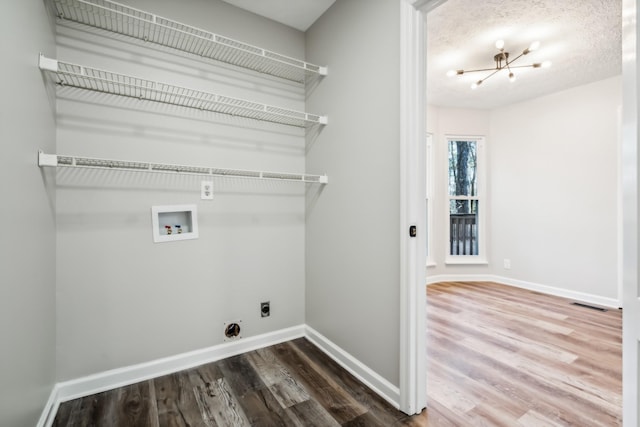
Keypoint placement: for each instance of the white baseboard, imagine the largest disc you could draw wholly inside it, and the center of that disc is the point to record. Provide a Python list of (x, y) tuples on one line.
[(366, 375), (560, 292), (50, 409), (85, 386), (431, 279), (550, 290)]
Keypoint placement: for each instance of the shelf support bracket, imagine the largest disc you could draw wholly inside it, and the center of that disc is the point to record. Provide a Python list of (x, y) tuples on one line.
[(47, 159), (48, 64)]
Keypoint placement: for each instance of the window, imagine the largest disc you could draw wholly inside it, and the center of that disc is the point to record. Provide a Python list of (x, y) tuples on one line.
[(465, 199)]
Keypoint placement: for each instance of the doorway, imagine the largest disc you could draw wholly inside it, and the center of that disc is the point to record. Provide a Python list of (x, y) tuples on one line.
[(630, 138)]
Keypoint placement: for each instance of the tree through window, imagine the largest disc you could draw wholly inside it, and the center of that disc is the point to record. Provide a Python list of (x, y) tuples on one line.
[(463, 197)]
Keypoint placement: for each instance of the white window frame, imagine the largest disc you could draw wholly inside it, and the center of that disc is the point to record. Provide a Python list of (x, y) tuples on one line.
[(481, 197), (429, 200)]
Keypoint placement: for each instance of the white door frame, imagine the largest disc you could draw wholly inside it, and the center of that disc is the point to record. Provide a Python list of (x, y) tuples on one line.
[(631, 287), (413, 355), (413, 118)]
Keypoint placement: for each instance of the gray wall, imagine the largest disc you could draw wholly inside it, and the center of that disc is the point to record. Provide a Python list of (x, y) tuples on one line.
[(27, 246), (554, 189), (123, 299), (352, 242)]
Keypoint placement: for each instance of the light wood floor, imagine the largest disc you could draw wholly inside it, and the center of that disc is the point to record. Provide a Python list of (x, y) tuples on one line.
[(290, 384), (502, 356)]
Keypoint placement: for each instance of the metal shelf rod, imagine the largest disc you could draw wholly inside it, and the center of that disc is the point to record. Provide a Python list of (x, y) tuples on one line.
[(56, 160)]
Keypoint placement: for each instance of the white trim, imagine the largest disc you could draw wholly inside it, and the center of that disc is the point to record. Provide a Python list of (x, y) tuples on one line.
[(464, 137), (427, 5), (413, 114), (545, 289), (620, 210), (465, 260), (108, 380), (431, 279), (429, 197), (362, 372), (50, 408), (630, 160), (560, 292)]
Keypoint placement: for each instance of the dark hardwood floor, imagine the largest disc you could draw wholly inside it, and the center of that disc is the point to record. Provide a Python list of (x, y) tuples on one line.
[(289, 384), (497, 356), (502, 356)]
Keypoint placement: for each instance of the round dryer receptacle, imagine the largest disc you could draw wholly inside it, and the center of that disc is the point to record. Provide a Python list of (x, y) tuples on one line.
[(232, 331)]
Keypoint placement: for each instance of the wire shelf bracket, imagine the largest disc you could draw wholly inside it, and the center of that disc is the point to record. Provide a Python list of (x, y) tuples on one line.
[(122, 19), (56, 160), (83, 77)]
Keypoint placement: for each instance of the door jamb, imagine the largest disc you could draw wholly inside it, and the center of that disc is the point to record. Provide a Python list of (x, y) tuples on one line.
[(629, 166), (413, 116)]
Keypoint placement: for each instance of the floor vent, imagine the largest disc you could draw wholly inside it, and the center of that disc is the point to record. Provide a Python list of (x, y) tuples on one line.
[(589, 306)]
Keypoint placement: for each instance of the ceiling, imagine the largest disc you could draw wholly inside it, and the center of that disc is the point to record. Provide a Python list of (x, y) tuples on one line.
[(299, 14), (581, 38)]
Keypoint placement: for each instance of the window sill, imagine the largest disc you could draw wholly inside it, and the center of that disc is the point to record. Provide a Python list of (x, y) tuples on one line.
[(466, 260), (431, 264)]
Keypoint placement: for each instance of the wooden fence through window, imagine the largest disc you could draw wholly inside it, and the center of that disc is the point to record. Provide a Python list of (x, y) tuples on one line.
[(463, 234)]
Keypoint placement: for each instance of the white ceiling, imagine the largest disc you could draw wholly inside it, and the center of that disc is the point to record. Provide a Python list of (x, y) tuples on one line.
[(582, 39), (299, 14)]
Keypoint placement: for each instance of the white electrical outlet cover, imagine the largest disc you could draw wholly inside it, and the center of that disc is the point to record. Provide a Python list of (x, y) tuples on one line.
[(206, 190)]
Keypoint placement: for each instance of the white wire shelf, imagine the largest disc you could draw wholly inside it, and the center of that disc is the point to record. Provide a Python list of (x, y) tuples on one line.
[(122, 19), (83, 77), (55, 160)]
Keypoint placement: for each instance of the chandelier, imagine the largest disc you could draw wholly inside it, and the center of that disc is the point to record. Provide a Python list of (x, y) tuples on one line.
[(503, 63)]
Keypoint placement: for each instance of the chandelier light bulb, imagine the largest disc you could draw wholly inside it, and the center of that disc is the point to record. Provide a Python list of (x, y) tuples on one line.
[(500, 44), (476, 84), (546, 64), (534, 46), (512, 77), (451, 73)]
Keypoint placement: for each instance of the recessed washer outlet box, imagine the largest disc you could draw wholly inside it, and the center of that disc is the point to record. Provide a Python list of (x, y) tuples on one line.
[(177, 222)]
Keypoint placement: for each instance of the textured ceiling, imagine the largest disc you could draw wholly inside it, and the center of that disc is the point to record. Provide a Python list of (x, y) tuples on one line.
[(582, 39)]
